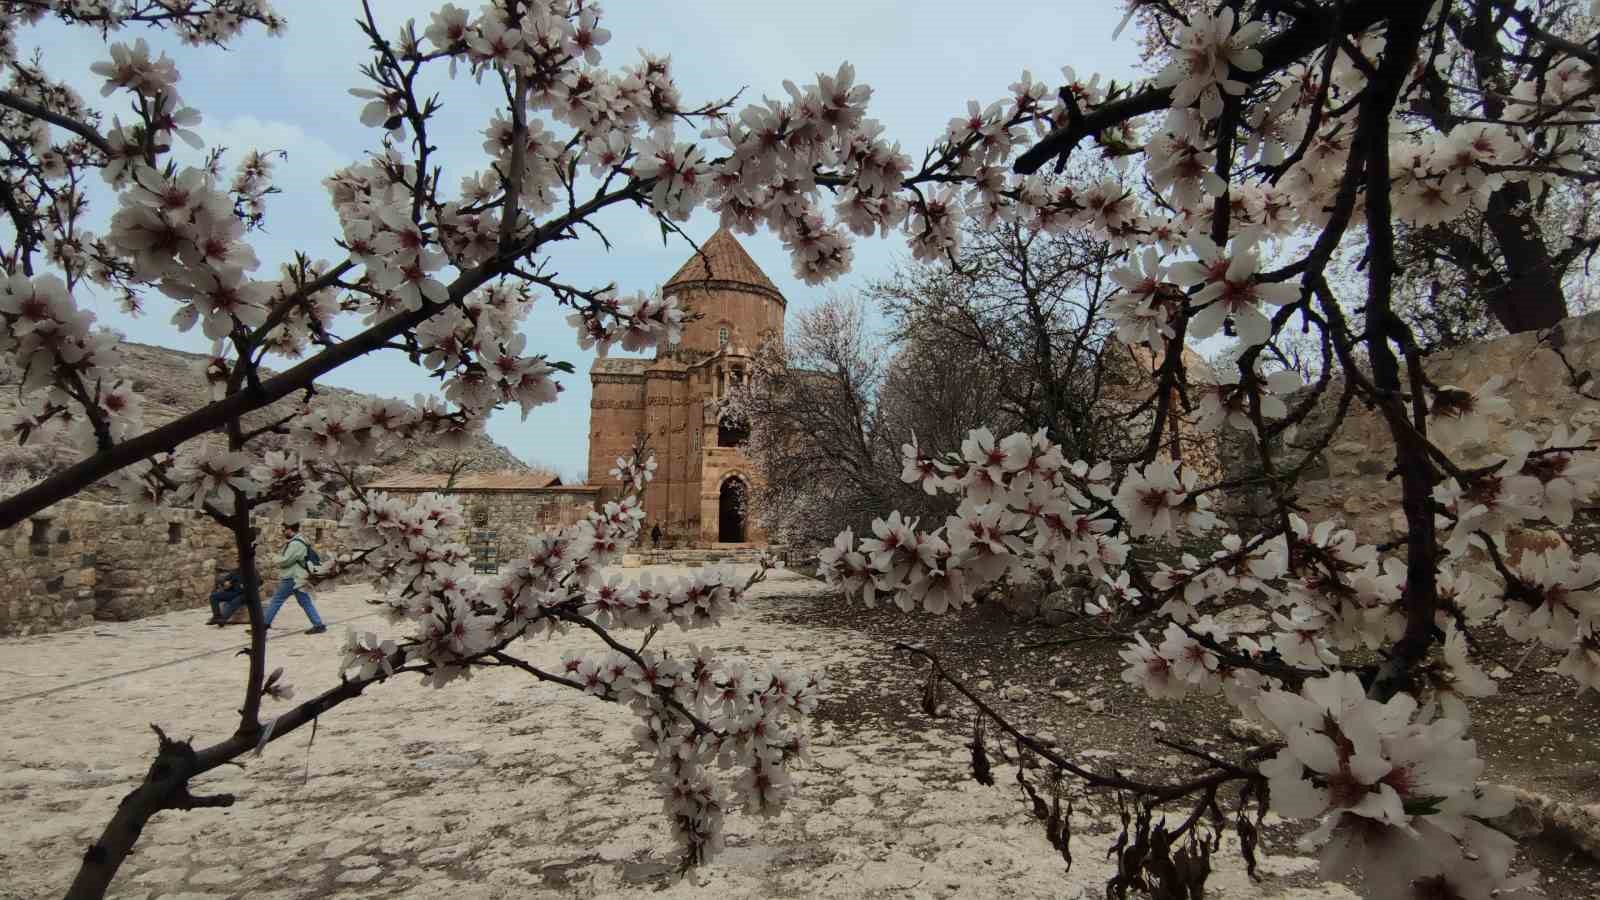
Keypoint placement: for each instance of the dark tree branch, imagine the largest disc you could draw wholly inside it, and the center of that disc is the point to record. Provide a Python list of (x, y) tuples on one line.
[(28, 107), (212, 416), (1277, 53)]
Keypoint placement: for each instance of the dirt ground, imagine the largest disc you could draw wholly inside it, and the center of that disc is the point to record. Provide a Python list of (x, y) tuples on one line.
[(1065, 670), (499, 788)]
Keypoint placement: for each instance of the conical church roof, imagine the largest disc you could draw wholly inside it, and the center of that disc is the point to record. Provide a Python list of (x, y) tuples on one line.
[(723, 263)]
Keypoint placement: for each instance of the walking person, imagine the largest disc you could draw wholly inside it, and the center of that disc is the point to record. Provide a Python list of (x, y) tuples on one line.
[(655, 536), (292, 572)]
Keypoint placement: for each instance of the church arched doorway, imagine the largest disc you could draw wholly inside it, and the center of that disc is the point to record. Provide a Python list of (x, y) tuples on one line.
[(731, 508)]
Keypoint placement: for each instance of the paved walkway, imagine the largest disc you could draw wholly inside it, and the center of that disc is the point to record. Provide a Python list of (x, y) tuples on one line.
[(496, 788)]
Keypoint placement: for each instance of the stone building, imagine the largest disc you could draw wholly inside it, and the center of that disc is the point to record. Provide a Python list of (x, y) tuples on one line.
[(503, 509), (702, 488)]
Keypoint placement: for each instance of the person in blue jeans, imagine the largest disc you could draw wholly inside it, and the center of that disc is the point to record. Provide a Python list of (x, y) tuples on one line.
[(227, 598), (292, 572)]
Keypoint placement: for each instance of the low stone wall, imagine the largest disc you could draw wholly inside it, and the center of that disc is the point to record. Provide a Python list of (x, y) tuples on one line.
[(694, 558), (1349, 480), (81, 560), (500, 521)]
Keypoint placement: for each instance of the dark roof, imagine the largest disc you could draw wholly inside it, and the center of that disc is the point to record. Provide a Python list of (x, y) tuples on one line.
[(723, 262)]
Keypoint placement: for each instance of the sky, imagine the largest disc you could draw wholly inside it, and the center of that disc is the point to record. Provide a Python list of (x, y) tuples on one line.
[(924, 61)]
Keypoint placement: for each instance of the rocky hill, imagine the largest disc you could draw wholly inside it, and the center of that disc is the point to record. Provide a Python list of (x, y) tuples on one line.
[(171, 384)]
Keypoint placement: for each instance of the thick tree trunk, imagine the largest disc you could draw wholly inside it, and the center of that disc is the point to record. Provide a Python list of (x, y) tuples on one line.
[(1384, 331), (1531, 297)]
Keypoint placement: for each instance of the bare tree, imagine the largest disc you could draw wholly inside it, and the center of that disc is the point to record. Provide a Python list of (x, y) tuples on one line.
[(936, 391), (1026, 307), (829, 411)]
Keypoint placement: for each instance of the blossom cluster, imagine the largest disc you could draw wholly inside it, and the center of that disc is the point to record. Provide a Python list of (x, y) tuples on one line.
[(752, 720), (1027, 512), (698, 713), (173, 230), (448, 279), (1396, 792), (288, 483)]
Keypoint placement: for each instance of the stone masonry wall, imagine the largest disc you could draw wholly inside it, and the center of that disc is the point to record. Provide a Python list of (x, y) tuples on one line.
[(81, 560), (1349, 480), (616, 415), (514, 516), (673, 417)]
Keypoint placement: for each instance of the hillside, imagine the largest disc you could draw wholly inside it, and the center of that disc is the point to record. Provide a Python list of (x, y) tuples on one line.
[(171, 383)]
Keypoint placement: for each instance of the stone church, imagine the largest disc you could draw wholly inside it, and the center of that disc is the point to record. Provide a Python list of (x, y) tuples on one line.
[(701, 493)]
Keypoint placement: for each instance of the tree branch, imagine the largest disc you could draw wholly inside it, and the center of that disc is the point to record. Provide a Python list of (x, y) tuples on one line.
[(28, 107), (1277, 53)]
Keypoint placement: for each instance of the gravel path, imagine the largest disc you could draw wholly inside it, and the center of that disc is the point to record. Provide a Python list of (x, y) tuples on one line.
[(497, 787)]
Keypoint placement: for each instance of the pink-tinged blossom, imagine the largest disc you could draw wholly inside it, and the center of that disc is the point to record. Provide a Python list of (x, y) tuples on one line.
[(1558, 599), (1190, 660), (1489, 503), (1150, 670), (1208, 50), (1334, 759), (1157, 502), (364, 655), (1458, 416), (1226, 401), (132, 69), (1582, 662), (1231, 290), (1566, 475)]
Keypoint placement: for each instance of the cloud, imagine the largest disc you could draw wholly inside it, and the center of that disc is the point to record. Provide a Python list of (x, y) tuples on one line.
[(923, 58), (306, 152), (301, 216)]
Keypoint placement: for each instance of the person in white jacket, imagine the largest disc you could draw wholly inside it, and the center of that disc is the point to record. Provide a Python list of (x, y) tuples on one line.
[(293, 572)]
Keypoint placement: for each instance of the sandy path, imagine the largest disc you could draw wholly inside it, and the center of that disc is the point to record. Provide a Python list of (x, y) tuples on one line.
[(493, 788)]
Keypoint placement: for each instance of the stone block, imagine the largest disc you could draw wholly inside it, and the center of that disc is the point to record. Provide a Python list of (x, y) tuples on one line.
[(112, 609), (1062, 606)]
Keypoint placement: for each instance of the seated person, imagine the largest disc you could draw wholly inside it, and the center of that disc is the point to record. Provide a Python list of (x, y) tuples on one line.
[(226, 598)]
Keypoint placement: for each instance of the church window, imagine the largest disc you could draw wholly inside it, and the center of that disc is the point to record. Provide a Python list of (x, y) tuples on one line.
[(722, 336)]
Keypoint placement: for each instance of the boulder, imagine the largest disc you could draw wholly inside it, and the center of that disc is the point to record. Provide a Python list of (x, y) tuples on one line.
[(1062, 606), (1023, 600), (1244, 619), (1535, 815)]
